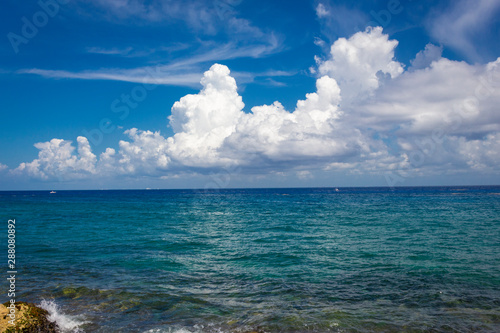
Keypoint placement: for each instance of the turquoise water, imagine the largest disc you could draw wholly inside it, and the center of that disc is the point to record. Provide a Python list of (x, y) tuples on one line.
[(274, 260)]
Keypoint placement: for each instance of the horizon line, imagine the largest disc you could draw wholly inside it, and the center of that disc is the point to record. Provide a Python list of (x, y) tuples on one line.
[(252, 188)]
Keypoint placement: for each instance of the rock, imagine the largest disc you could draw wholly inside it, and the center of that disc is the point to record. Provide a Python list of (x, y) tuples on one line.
[(29, 319)]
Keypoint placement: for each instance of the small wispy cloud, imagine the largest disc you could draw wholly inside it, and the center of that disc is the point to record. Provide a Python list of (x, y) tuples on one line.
[(460, 26), (175, 47), (180, 72), (321, 11), (339, 21), (204, 17), (178, 63), (112, 51), (159, 75), (132, 52), (274, 83), (147, 75)]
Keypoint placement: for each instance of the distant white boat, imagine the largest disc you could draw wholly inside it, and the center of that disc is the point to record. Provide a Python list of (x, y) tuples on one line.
[(52, 192), (337, 190)]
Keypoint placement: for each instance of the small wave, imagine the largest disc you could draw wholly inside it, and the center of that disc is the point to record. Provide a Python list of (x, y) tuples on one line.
[(67, 323), (170, 330), (194, 329)]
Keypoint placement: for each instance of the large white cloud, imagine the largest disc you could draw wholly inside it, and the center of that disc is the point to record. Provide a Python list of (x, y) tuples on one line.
[(367, 116), (57, 160), (358, 63), (203, 121), (435, 97), (314, 131), (145, 154), (483, 154)]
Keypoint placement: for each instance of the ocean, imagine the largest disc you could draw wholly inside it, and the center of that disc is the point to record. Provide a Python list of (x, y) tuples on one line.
[(416, 259)]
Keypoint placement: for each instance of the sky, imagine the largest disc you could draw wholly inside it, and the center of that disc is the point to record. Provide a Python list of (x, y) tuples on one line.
[(128, 94)]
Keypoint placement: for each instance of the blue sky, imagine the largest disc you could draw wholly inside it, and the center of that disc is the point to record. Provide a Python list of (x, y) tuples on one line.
[(107, 93)]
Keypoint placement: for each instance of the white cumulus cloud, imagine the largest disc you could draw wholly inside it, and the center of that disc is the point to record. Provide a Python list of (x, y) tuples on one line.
[(145, 154), (359, 62), (367, 116), (424, 58), (203, 121), (57, 159)]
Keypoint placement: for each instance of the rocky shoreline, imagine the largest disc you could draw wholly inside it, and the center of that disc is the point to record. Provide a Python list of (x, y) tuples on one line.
[(29, 318)]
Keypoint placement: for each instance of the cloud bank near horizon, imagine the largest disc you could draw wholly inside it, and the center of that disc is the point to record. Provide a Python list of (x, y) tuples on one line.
[(368, 115)]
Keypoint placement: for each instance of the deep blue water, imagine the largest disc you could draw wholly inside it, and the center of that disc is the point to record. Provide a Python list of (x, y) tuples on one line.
[(276, 260)]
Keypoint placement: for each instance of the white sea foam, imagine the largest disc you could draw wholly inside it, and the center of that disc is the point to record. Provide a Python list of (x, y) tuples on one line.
[(195, 329), (67, 323), (170, 330)]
